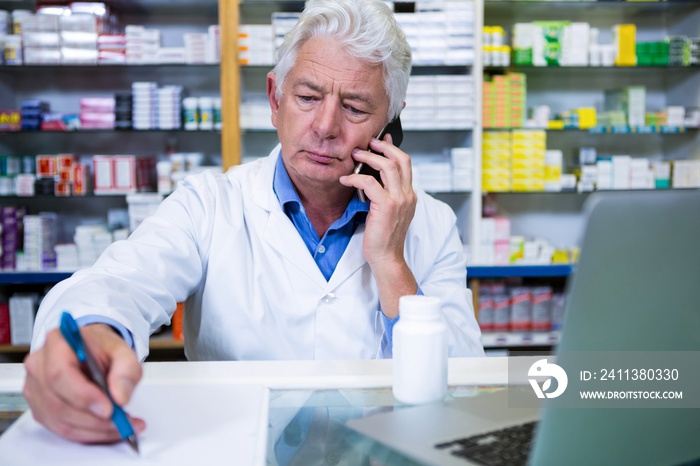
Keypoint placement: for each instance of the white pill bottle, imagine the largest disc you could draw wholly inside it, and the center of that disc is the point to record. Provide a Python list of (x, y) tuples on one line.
[(420, 351)]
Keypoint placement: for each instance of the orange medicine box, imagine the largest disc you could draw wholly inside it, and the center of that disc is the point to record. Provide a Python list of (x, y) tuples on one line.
[(176, 322), (45, 165), (79, 179)]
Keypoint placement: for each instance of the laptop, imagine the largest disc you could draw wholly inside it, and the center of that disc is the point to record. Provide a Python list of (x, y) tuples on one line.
[(635, 288)]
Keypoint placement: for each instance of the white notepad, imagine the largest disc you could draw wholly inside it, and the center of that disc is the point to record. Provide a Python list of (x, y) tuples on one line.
[(186, 424)]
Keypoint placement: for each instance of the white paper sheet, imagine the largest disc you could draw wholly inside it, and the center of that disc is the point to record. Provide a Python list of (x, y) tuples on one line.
[(186, 424)]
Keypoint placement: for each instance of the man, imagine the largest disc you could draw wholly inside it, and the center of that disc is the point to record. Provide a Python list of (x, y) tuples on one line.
[(277, 259)]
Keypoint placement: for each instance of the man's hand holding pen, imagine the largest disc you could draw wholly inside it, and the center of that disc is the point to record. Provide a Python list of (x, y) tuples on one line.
[(62, 396)]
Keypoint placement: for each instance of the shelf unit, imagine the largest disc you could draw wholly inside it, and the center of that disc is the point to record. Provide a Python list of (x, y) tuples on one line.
[(533, 214), (560, 218), (63, 85)]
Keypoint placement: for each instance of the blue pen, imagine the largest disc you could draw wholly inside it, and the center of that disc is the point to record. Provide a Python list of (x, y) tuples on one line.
[(70, 331)]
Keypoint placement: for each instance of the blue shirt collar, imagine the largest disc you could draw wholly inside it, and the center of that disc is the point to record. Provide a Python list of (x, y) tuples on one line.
[(289, 198)]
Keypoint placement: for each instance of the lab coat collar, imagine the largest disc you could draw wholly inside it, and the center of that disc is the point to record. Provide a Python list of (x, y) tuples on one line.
[(281, 235)]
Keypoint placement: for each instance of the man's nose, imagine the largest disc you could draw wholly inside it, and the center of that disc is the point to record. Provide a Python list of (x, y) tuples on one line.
[(327, 120)]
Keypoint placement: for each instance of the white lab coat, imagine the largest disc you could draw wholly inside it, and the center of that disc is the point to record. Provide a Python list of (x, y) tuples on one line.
[(252, 289)]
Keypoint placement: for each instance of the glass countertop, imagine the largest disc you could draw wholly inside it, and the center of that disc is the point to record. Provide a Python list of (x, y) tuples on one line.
[(308, 427)]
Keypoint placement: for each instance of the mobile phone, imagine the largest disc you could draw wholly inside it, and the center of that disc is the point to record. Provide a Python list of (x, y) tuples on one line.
[(394, 128)]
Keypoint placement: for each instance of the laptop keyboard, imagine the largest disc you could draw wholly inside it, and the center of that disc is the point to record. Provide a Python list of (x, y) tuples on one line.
[(506, 447)]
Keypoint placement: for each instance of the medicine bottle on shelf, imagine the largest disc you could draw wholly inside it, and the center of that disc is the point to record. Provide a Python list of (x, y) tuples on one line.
[(420, 351)]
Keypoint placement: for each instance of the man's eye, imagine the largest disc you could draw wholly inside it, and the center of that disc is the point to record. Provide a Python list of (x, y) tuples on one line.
[(306, 98), (355, 111)]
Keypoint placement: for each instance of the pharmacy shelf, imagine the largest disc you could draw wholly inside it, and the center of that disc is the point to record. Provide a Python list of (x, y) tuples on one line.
[(615, 129), (564, 69), (587, 4), (505, 271), (473, 271), (524, 339), (133, 6), (106, 66), (121, 131), (17, 349), (17, 4), (52, 197), (155, 343), (21, 278), (578, 193)]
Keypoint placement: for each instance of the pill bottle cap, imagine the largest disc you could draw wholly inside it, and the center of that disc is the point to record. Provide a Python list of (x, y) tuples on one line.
[(419, 307)]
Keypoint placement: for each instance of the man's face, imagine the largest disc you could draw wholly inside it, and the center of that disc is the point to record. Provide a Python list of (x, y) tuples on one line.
[(331, 103)]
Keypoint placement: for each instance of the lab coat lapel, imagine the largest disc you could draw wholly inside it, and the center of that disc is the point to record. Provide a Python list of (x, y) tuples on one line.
[(281, 235), (352, 259), (279, 231)]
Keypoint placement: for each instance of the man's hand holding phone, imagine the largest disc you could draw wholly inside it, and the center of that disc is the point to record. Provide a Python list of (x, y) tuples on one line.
[(392, 206), (393, 129)]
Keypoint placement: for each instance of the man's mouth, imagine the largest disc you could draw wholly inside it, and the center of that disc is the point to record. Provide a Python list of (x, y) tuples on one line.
[(320, 158)]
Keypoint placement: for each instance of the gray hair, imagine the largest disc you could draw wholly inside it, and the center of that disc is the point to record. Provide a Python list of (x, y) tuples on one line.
[(366, 29)]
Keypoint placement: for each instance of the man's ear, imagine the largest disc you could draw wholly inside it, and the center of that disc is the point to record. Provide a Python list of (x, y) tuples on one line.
[(271, 97)]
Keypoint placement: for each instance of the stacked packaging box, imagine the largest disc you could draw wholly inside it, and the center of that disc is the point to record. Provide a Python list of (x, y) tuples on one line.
[(32, 112), (662, 174), (142, 45), (12, 235), (553, 161), (496, 161), (200, 48), (22, 310), (123, 110), (631, 101), (282, 23), (9, 170), (679, 51), (97, 113), (625, 44), (652, 53), (517, 87), (641, 174), (439, 102), (145, 105), (169, 107), (78, 39), (111, 49), (574, 46), (90, 242), (528, 160), (140, 206), (496, 111), (39, 240), (41, 40), (256, 44), (505, 101), (432, 176), (440, 33), (462, 159), (255, 112), (495, 241), (540, 43), (686, 174)]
